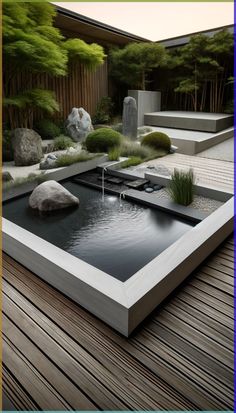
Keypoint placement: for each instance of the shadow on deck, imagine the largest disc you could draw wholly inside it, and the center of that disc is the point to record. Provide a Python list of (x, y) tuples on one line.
[(57, 356)]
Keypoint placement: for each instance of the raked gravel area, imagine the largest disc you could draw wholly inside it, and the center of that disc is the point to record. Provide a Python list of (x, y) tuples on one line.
[(201, 203)]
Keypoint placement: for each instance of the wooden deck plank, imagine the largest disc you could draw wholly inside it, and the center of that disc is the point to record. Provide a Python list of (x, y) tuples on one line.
[(180, 358)]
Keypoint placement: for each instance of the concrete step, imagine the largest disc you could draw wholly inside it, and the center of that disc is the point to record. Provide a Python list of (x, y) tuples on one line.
[(198, 121)]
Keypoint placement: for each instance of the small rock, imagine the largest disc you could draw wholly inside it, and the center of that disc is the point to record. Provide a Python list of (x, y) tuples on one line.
[(157, 187), (52, 156), (50, 196), (173, 149), (149, 190), (49, 163), (6, 176)]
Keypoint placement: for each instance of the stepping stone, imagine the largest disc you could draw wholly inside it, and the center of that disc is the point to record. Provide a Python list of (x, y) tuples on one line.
[(157, 187), (138, 184), (149, 190), (116, 181)]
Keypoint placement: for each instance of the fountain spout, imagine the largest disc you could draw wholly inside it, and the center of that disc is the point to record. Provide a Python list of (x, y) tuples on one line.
[(122, 195)]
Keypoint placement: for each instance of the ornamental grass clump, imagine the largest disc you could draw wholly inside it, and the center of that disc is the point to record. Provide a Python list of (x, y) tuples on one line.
[(181, 187)]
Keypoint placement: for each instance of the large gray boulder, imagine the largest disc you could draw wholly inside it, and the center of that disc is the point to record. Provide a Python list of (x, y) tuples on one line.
[(130, 118), (50, 196), (27, 147), (79, 124)]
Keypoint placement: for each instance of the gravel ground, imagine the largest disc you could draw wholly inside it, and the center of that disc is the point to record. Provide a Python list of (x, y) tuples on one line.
[(201, 203), (24, 171)]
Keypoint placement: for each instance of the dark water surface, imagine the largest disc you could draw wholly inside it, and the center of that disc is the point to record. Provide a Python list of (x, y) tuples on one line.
[(117, 239)]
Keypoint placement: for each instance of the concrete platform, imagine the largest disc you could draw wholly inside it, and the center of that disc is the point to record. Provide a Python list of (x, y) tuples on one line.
[(193, 142), (199, 121)]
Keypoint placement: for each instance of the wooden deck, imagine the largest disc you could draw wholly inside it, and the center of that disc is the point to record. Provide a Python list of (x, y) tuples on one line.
[(213, 172), (57, 356)]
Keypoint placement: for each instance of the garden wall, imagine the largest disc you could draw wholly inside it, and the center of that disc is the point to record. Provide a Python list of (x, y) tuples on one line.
[(81, 87)]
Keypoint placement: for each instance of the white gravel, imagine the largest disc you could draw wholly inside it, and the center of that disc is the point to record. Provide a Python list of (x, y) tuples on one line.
[(201, 203)]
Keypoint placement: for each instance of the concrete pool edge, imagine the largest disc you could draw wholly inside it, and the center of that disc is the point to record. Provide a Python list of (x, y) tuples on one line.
[(122, 305)]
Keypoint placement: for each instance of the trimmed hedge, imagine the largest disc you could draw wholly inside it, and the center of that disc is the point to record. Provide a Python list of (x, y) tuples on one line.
[(102, 140), (157, 140)]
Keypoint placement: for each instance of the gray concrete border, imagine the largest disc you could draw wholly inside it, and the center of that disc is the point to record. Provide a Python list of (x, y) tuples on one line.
[(121, 305)]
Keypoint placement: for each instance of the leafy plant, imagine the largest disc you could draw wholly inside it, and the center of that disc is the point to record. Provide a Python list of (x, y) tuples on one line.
[(181, 187), (7, 149), (47, 129), (131, 64), (31, 44), (102, 140), (158, 141), (103, 111), (62, 142), (67, 160)]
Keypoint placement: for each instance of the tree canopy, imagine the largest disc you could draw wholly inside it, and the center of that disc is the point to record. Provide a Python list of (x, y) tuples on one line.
[(32, 43), (131, 64), (203, 66)]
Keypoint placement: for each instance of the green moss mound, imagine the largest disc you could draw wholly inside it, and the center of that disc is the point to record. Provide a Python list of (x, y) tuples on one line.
[(102, 140), (157, 140)]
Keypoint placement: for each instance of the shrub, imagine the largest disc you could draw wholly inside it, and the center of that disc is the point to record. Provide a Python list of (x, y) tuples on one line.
[(134, 160), (47, 129), (157, 140), (103, 111), (181, 187), (62, 142), (66, 160), (102, 140), (7, 149)]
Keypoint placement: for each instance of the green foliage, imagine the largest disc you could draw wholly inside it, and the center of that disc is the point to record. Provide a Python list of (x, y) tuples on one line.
[(37, 178), (133, 161), (40, 98), (67, 160), (102, 140), (129, 148), (131, 64), (32, 44), (103, 111), (114, 154), (157, 141), (7, 149), (181, 187), (201, 67), (91, 55), (62, 142), (46, 129)]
